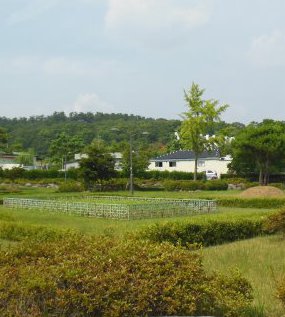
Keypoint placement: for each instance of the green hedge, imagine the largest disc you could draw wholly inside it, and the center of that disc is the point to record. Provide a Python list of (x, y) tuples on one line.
[(172, 185), (85, 276), (16, 173), (251, 202), (207, 234), (160, 175)]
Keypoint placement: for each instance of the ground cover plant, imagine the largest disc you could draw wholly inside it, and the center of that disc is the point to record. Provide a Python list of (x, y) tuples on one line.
[(76, 275)]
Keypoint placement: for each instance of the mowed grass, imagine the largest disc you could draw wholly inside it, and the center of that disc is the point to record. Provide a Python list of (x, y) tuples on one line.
[(261, 260), (45, 193)]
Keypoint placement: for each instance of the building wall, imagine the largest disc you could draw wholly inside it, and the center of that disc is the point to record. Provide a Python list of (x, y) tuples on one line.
[(188, 166)]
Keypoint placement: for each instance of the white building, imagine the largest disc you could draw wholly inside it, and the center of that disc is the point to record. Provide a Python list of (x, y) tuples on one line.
[(184, 161)]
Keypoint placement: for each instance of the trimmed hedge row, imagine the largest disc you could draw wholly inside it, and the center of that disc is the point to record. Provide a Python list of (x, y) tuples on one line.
[(83, 276), (195, 185), (16, 173), (206, 234), (251, 202)]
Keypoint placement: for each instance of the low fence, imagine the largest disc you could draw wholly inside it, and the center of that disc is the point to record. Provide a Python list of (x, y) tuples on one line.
[(150, 208)]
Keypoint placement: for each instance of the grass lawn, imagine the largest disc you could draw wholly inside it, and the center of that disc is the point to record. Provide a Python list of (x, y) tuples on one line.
[(50, 193), (261, 260)]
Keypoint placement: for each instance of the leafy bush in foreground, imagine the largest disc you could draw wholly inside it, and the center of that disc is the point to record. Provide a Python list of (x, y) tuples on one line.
[(87, 276), (276, 222), (207, 234)]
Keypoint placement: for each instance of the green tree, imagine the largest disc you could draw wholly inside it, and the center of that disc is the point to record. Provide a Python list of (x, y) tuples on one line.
[(64, 147), (260, 147), (97, 166), (200, 117), (3, 138), (140, 161), (26, 158)]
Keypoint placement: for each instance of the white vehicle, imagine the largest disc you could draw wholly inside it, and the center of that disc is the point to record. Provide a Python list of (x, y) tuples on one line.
[(210, 174)]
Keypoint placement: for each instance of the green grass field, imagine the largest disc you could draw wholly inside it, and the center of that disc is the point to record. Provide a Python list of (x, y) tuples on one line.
[(118, 227), (261, 260)]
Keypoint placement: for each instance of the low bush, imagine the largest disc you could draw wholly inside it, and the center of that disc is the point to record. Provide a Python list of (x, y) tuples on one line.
[(252, 202), (275, 223), (216, 184), (17, 172), (17, 232), (87, 276), (174, 175), (278, 185), (172, 185), (206, 234), (68, 187)]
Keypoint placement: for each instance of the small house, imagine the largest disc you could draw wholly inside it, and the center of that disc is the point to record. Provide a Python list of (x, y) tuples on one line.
[(184, 161)]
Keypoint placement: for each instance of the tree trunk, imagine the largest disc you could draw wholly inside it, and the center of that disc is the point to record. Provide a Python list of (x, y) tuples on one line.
[(266, 173), (196, 167), (260, 176)]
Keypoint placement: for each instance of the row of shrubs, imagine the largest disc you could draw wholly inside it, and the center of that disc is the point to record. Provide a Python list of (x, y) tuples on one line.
[(214, 232), (18, 173), (262, 203), (74, 174), (77, 275), (206, 234)]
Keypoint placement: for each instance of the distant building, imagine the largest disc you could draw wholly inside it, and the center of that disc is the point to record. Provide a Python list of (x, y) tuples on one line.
[(184, 161), (8, 161), (77, 157)]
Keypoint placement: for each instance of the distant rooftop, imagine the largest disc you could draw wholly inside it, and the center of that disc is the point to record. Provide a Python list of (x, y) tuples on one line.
[(187, 155)]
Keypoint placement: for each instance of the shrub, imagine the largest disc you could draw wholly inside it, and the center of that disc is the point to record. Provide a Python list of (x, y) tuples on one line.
[(276, 223), (88, 276), (278, 185), (207, 234), (17, 232), (70, 187), (251, 202), (189, 185), (216, 185)]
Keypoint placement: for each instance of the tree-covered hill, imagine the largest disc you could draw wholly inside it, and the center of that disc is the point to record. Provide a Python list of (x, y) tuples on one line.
[(37, 132)]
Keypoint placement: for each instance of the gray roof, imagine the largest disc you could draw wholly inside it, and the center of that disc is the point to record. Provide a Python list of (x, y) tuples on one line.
[(186, 155)]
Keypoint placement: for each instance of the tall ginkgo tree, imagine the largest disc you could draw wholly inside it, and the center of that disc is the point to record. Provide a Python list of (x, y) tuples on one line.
[(199, 118)]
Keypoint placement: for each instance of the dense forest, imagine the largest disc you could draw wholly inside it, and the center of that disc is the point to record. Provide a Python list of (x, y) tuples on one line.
[(37, 132)]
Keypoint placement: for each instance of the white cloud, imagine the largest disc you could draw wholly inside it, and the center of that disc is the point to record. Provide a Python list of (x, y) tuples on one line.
[(154, 19), (91, 102), (268, 50)]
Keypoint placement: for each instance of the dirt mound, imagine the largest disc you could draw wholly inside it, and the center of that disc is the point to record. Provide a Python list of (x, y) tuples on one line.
[(262, 191)]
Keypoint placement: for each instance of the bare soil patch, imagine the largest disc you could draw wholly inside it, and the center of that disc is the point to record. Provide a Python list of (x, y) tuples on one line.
[(262, 191)]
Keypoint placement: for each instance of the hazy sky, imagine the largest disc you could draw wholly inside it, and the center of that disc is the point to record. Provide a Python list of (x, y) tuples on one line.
[(137, 56)]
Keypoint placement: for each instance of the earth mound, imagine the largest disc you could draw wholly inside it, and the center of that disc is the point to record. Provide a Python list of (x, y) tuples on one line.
[(262, 191)]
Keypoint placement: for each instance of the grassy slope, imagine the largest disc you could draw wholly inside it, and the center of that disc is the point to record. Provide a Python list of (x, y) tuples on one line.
[(261, 260)]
